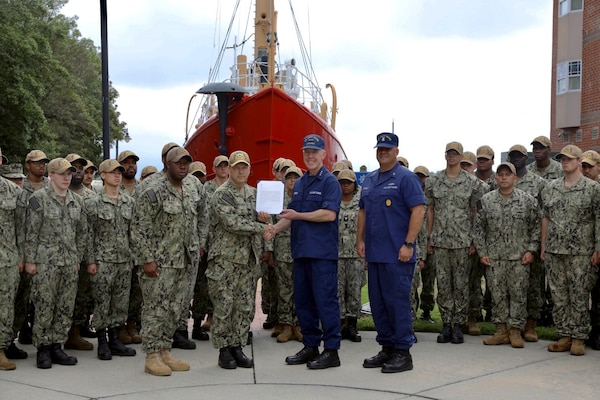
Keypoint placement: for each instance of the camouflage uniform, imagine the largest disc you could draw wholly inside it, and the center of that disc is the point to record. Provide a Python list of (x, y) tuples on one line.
[(233, 263), (573, 234), (477, 298), (10, 218), (164, 229), (551, 172), (56, 239), (109, 220), (427, 274), (453, 202), (284, 268), (504, 230)]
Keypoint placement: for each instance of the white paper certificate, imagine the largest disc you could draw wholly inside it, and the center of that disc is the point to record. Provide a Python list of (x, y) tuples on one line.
[(269, 196)]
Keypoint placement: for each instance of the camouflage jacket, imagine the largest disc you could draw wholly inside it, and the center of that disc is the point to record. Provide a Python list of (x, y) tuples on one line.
[(11, 217), (490, 182), (507, 229), (347, 220), (533, 184), (282, 249), (551, 172)]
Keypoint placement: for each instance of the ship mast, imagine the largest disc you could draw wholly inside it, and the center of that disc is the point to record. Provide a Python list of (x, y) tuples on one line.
[(265, 37)]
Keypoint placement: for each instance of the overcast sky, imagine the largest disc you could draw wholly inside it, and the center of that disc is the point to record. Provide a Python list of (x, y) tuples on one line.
[(474, 71)]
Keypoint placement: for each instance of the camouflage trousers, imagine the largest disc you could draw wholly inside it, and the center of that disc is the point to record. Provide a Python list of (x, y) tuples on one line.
[(134, 312), (9, 281), (452, 270), (53, 292), (269, 292), (84, 301), (161, 310), (351, 278), (414, 292), (536, 290), (595, 308), (191, 275), (509, 281), (232, 289), (23, 306), (286, 308), (476, 272), (201, 305), (571, 277), (427, 298), (110, 287)]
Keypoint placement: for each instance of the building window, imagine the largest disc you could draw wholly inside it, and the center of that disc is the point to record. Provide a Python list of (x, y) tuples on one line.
[(567, 6), (578, 135), (595, 133), (568, 76), (565, 137)]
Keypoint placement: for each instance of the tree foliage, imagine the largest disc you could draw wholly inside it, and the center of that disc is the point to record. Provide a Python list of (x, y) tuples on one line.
[(50, 80)]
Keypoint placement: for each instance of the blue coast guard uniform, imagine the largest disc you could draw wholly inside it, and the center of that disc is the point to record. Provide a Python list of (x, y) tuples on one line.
[(387, 199), (315, 254)]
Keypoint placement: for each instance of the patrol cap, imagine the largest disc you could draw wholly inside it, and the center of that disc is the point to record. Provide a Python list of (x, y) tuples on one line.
[(508, 165), (219, 159), (570, 151), (387, 140), (277, 162), (148, 170), (486, 152), (90, 165), (591, 157), (469, 158), (126, 154), (543, 140), (293, 170), (36, 155), (403, 161), (237, 157), (60, 165), (313, 141), (72, 157), (455, 146), (110, 165), (518, 148), (348, 164), (285, 163), (177, 153), (197, 166), (421, 170), (168, 147), (12, 171), (347, 175), (338, 166)]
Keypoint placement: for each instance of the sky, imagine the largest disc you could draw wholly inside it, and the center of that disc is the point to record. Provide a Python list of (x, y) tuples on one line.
[(434, 71)]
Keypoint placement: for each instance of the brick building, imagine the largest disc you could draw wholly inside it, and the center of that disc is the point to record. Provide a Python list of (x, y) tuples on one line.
[(575, 100)]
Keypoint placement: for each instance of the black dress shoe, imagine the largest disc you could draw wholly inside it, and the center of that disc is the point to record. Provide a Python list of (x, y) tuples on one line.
[(58, 356), (401, 361), (14, 353), (43, 358), (226, 360), (303, 356), (181, 340), (240, 358), (380, 358), (446, 335), (457, 335), (327, 359)]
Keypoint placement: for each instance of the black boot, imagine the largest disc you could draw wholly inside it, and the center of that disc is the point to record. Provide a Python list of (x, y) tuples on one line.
[(327, 359), (58, 356), (226, 360), (380, 358), (353, 334), (43, 357), (446, 335), (198, 333), (401, 361), (457, 335), (240, 358), (87, 331), (26, 333), (103, 350), (181, 340), (303, 356), (116, 347), (14, 353)]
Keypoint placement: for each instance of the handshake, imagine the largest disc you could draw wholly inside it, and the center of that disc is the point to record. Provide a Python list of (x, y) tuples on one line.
[(269, 232)]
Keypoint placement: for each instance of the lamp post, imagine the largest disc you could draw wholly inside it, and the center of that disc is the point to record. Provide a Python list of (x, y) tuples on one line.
[(126, 138)]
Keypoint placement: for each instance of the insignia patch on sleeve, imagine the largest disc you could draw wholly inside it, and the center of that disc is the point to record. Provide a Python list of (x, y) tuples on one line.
[(34, 203), (152, 196)]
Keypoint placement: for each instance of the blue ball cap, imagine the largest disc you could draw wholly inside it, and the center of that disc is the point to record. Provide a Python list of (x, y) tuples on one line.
[(386, 139), (313, 141)]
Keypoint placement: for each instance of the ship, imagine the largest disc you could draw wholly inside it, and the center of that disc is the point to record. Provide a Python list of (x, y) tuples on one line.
[(265, 108)]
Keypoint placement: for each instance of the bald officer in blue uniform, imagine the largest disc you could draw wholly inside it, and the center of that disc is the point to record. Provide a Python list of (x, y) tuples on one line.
[(391, 211), (312, 215)]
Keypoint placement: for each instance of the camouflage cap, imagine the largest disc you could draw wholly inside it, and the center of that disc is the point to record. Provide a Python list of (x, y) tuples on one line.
[(293, 170), (286, 163), (506, 165), (148, 170), (486, 152), (110, 165), (469, 158), (197, 166), (421, 170), (338, 166), (72, 157), (168, 147), (90, 165), (456, 146), (177, 153), (348, 164), (36, 155), (570, 151), (277, 162), (591, 157), (402, 160), (219, 159), (518, 148), (12, 171), (60, 166), (127, 154), (543, 140), (237, 157), (347, 175)]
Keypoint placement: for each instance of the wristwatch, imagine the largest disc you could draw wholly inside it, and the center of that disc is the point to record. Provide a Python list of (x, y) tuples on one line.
[(410, 245)]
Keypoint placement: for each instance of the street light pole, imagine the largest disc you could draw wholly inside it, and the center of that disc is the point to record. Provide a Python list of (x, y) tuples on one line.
[(105, 93), (126, 138)]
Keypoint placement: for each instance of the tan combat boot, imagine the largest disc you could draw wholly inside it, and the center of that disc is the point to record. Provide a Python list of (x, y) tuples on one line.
[(5, 363), (297, 333), (577, 347), (173, 363), (516, 340), (208, 323), (76, 342), (500, 336), (132, 332), (286, 334), (472, 327), (155, 365), (124, 335), (563, 344), (277, 329), (529, 333)]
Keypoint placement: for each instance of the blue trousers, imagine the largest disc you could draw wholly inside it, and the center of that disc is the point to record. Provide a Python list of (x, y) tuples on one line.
[(389, 295), (316, 298)]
